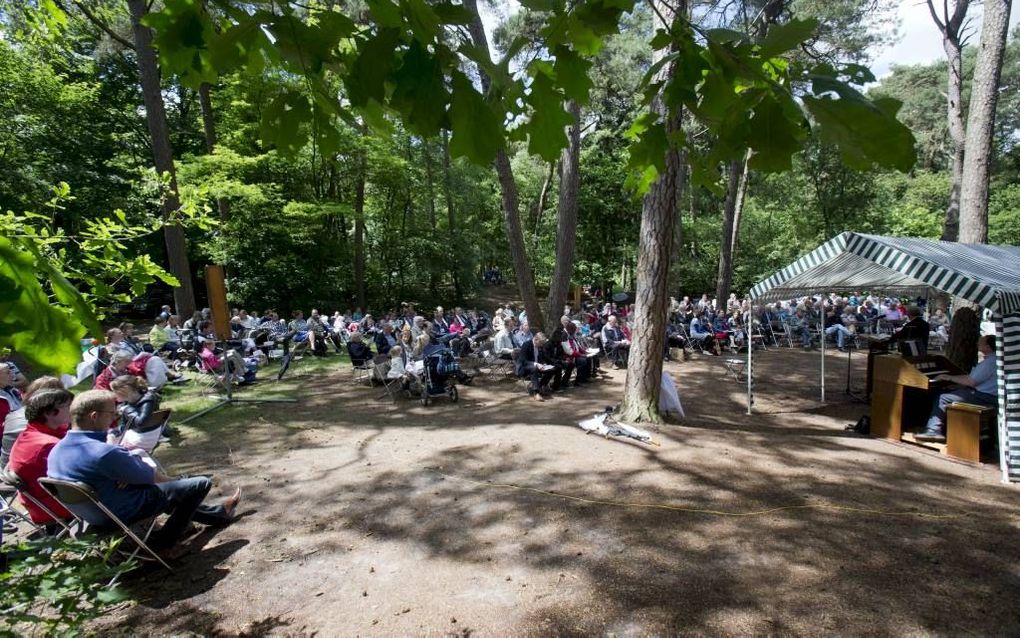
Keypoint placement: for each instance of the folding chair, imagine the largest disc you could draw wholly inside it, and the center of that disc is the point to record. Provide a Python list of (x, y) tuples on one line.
[(695, 344), (71, 493), (10, 514), (735, 368), (21, 487), (495, 366), (390, 385), (758, 338), (363, 372)]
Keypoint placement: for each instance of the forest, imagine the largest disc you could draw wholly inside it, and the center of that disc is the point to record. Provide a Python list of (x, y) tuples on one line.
[(373, 212)]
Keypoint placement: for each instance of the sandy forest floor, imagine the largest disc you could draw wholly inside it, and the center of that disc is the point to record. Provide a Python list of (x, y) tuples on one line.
[(365, 517)]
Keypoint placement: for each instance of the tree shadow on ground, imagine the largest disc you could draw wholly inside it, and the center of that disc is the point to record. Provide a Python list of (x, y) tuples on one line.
[(575, 535)]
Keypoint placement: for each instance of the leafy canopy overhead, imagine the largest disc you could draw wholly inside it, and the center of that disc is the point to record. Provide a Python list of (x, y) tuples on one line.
[(407, 58)]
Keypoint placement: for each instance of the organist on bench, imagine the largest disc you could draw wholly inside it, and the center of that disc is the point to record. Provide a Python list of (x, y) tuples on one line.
[(979, 387)]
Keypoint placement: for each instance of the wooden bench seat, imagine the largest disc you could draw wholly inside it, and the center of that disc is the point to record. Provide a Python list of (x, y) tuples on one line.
[(964, 423)]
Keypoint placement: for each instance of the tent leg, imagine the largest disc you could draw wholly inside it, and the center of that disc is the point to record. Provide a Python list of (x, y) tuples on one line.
[(750, 372), (822, 339), (1000, 352)]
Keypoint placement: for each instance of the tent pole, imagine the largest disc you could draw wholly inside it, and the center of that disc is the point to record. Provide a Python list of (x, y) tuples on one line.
[(1000, 371), (750, 362), (822, 339)]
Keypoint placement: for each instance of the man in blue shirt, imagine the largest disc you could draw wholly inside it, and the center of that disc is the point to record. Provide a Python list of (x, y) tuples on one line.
[(126, 484), (978, 387)]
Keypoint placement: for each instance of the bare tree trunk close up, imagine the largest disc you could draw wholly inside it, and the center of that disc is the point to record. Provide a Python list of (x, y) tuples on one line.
[(566, 219), (984, 97), (163, 157)]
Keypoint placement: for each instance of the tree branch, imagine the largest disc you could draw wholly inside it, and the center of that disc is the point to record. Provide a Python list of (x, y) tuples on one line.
[(94, 19), (935, 17)]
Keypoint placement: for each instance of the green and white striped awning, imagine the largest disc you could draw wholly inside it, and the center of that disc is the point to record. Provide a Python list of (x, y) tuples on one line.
[(986, 275)]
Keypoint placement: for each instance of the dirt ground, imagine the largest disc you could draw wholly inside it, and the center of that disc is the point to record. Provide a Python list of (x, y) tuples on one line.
[(498, 516)]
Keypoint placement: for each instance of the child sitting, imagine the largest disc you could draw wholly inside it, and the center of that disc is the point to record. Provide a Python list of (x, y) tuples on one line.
[(135, 405)]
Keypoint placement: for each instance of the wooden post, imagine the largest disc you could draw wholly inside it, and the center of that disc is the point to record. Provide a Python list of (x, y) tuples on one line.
[(217, 290)]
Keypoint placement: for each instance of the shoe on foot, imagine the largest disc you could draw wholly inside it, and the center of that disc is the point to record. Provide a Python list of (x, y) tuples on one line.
[(173, 553), (933, 436)]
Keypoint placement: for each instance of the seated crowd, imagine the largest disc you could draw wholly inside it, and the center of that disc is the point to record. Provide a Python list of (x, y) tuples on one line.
[(840, 318), (103, 439)]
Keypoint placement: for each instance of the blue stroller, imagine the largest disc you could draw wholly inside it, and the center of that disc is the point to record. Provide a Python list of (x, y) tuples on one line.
[(440, 371)]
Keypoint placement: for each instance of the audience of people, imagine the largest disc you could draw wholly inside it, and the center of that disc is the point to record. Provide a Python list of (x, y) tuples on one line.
[(127, 483), (114, 427)]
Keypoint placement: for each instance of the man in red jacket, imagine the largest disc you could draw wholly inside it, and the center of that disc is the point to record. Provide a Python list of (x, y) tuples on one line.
[(49, 415)]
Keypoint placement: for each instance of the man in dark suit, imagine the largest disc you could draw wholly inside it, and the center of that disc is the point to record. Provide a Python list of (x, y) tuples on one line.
[(441, 327), (532, 361), (916, 331), (386, 339)]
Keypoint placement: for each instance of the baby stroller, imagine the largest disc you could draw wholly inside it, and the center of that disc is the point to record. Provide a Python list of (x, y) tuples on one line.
[(440, 370)]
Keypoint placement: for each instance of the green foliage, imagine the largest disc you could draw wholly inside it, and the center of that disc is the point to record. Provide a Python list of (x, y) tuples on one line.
[(1004, 215), (915, 205), (43, 315), (476, 127), (744, 91), (57, 586)]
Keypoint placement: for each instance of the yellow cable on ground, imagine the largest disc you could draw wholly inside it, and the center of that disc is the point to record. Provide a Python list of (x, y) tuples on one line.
[(695, 510)]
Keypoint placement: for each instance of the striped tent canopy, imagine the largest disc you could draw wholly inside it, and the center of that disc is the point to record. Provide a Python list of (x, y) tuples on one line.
[(986, 275)]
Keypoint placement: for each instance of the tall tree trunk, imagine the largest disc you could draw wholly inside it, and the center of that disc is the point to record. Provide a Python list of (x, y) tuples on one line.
[(963, 337), (451, 218), (984, 96), (951, 26), (511, 201), (678, 231), (431, 207), (732, 209), (429, 183), (566, 222), (724, 276), (209, 128), (543, 195), (658, 215), (738, 209), (163, 157), (359, 226)]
